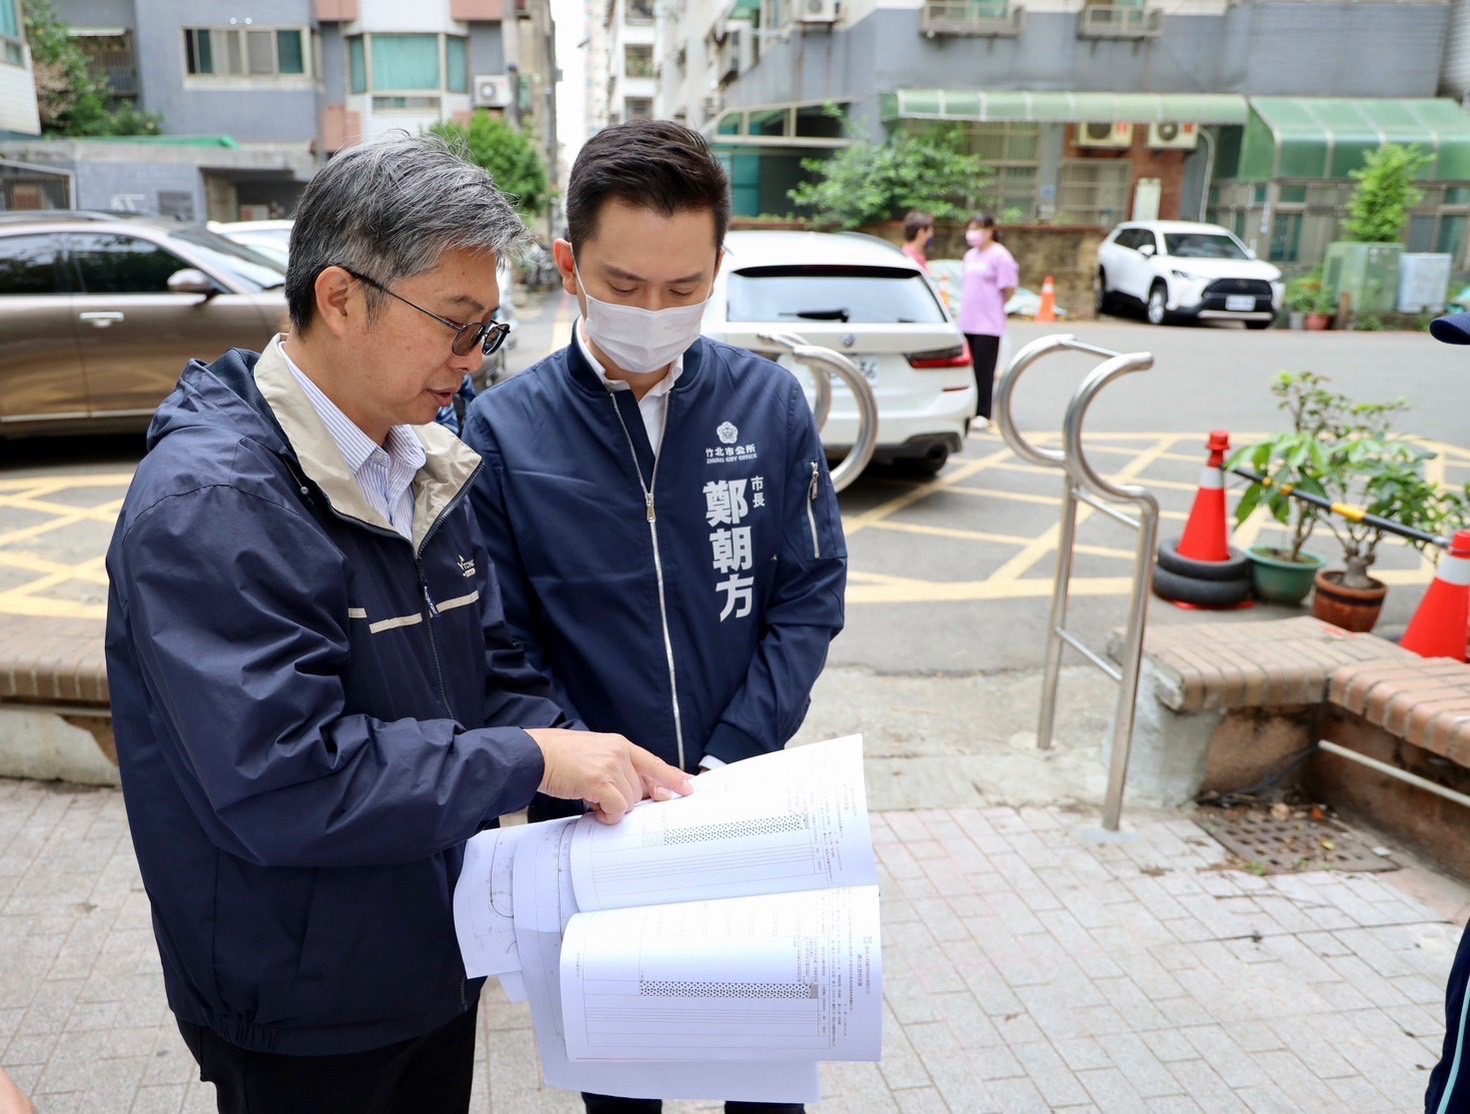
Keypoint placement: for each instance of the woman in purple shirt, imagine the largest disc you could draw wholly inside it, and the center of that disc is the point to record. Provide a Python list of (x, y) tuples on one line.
[(991, 277)]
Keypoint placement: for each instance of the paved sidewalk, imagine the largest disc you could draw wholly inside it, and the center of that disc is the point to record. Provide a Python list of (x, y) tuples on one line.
[(1026, 969)]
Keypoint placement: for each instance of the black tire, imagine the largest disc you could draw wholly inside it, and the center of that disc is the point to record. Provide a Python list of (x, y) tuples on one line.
[(1103, 301), (1260, 324), (1164, 317), (1202, 593), (1237, 568)]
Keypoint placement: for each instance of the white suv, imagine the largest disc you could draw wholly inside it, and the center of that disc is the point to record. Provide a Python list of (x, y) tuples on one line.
[(866, 299), (1177, 270)]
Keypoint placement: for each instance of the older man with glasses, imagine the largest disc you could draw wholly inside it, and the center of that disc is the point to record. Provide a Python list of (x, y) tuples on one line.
[(315, 695)]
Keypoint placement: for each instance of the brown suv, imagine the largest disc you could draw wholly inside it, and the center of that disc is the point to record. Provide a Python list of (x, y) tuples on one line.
[(99, 313)]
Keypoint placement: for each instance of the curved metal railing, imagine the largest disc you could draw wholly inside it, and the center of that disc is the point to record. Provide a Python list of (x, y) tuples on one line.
[(826, 362), (1084, 484)]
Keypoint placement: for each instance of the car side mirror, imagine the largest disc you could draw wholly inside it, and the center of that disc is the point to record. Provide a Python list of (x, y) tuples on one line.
[(190, 280), (1250, 253), (1146, 250)]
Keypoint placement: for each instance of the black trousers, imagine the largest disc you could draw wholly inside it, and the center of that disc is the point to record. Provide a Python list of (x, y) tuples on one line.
[(984, 351), (428, 1075)]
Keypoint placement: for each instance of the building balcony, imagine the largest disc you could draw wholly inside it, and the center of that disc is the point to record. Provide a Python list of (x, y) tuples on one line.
[(1120, 21), (993, 18)]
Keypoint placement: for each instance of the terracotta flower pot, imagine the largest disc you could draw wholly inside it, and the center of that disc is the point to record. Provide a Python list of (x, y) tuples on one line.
[(1354, 609), (1318, 322)]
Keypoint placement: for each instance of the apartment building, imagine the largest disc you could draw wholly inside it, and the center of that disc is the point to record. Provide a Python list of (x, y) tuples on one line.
[(1250, 112), (255, 94)]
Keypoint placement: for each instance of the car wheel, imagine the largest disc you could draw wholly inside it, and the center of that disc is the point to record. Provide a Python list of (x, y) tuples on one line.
[(1158, 305), (1259, 324), (1103, 301)]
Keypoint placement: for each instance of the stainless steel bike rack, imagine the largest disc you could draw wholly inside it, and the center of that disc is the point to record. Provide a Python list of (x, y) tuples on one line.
[(1084, 485), (826, 362)]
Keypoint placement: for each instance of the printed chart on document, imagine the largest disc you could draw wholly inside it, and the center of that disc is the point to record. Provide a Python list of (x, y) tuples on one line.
[(718, 946)]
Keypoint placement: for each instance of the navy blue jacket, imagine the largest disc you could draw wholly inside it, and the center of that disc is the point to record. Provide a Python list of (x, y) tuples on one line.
[(312, 715), (1449, 1082), (687, 602)]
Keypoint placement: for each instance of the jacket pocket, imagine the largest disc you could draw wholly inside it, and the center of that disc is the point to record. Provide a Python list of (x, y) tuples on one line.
[(823, 518), (814, 491)]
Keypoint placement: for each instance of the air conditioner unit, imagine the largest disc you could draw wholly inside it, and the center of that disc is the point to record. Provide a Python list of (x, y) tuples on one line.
[(494, 90), (816, 11), (733, 55), (1173, 137), (1104, 135)]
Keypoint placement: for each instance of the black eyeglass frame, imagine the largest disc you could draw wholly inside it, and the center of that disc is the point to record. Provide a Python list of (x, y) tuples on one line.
[(489, 335)]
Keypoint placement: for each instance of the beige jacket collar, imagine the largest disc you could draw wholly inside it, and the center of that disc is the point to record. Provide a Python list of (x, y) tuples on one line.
[(449, 466)]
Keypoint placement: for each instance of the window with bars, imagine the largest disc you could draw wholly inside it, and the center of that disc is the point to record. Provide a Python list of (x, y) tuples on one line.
[(1012, 152), (1094, 191), (637, 108), (235, 52)]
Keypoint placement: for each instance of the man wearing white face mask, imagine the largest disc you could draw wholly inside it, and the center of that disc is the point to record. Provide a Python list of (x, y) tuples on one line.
[(657, 505)]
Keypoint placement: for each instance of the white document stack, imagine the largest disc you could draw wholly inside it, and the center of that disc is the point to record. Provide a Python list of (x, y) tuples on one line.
[(718, 946)]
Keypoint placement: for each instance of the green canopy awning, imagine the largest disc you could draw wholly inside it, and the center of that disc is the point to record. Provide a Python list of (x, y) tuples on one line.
[(1322, 137), (1064, 108)]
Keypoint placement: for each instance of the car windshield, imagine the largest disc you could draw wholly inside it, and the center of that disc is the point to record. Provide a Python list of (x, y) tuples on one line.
[(1202, 245), (852, 295), (252, 270)]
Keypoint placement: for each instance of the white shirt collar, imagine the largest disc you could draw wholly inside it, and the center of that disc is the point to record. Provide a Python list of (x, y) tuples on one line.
[(662, 387)]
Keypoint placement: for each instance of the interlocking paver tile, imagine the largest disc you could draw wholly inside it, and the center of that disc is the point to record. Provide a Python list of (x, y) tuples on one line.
[(1025, 969)]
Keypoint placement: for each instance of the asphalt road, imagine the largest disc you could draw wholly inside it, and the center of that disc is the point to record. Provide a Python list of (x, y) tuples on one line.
[(949, 578)]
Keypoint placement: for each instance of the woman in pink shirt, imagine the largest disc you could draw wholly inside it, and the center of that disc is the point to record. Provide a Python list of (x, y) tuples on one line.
[(991, 277)]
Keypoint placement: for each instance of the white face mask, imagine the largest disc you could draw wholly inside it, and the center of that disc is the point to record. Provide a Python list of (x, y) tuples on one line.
[(641, 340)]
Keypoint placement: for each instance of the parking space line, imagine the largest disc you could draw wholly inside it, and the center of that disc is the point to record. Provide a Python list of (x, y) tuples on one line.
[(961, 472)]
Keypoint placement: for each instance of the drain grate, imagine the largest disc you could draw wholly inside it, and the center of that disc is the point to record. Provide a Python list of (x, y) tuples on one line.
[(1273, 845)]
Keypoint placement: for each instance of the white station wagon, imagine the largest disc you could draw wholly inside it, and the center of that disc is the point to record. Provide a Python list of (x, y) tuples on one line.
[(1179, 270), (864, 298)]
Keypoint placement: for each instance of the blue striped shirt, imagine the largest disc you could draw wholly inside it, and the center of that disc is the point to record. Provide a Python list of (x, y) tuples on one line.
[(384, 472)]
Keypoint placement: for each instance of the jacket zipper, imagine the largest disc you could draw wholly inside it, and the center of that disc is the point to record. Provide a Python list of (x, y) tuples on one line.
[(431, 612), (811, 502), (658, 566)]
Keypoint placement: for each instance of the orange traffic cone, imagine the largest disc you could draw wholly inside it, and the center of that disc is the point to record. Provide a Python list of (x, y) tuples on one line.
[(1438, 629), (1205, 537), (1048, 310)]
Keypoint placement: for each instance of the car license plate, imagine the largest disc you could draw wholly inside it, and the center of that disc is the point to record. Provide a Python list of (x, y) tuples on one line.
[(1240, 303), (868, 365)]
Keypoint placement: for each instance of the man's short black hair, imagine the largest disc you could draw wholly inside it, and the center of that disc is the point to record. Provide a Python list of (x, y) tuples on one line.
[(657, 164)]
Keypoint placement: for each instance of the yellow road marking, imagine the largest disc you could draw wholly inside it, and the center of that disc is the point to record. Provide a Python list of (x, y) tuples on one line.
[(923, 491)]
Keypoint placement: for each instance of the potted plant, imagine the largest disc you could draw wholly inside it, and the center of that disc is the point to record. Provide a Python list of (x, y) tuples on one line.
[(1301, 297), (1383, 476), (1290, 461), (1321, 309)]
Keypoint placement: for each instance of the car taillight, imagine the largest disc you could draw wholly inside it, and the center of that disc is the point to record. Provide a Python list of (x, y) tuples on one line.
[(941, 357)]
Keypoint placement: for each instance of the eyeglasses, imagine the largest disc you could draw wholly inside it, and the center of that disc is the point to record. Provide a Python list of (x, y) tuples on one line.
[(487, 335)]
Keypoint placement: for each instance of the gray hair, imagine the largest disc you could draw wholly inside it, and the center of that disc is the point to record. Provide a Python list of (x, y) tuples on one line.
[(390, 210)]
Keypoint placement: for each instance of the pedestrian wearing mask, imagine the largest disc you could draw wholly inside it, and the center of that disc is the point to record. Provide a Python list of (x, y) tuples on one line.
[(657, 505), (990, 278)]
